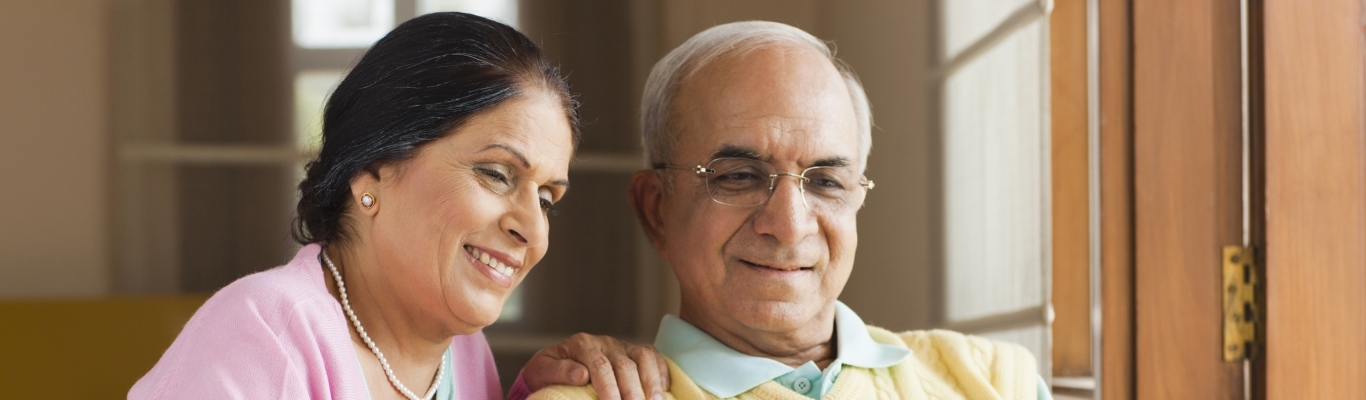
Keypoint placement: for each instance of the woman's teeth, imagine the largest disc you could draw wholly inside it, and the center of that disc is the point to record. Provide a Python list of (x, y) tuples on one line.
[(491, 262)]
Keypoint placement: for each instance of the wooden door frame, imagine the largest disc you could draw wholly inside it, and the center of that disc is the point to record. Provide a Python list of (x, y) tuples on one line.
[(1092, 75), (1315, 199), (1116, 135), (1307, 123), (1187, 149)]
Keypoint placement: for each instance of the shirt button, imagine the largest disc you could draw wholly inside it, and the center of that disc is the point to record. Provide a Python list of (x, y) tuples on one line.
[(801, 385)]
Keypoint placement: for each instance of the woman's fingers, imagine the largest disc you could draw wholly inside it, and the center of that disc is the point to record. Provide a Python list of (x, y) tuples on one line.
[(616, 369), (555, 365), (653, 371), (628, 378), (603, 376)]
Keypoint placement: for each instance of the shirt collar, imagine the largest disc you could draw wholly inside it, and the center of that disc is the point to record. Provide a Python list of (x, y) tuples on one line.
[(725, 372)]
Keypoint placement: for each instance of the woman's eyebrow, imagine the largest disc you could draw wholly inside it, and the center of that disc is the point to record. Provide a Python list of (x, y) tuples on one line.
[(509, 149), (563, 183)]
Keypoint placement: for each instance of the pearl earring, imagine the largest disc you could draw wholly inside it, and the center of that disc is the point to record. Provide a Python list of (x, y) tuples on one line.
[(367, 200)]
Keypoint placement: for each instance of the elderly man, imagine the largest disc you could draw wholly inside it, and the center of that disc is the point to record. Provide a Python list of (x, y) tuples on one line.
[(759, 138)]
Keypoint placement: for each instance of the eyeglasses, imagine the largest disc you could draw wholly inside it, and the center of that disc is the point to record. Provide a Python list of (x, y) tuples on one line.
[(747, 182)]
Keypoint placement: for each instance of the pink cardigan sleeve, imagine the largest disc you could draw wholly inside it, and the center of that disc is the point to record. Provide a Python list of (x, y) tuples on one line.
[(227, 351), (279, 334), (519, 389)]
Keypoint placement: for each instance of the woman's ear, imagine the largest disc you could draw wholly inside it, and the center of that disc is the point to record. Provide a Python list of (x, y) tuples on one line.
[(647, 198), (366, 191)]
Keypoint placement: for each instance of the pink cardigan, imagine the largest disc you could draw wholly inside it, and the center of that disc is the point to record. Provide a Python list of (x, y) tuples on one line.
[(279, 334)]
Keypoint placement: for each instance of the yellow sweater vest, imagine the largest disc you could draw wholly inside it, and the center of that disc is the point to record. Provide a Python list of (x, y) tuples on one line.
[(942, 365)]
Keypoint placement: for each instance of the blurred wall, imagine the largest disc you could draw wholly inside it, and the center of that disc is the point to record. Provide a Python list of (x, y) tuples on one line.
[(54, 148)]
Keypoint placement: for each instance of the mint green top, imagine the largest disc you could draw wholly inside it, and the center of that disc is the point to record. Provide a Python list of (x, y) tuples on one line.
[(725, 372), (444, 390)]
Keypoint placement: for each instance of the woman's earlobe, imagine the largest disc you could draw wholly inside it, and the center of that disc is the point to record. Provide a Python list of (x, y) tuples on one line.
[(365, 193)]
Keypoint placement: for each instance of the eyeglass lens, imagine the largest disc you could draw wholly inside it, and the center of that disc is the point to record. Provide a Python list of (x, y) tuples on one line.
[(746, 182)]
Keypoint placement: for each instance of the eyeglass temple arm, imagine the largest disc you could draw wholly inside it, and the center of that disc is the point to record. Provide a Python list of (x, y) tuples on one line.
[(696, 170)]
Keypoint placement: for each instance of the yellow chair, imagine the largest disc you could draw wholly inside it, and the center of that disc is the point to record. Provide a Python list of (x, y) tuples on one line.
[(85, 348)]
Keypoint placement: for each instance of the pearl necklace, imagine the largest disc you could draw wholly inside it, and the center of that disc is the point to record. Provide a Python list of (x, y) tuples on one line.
[(383, 362)]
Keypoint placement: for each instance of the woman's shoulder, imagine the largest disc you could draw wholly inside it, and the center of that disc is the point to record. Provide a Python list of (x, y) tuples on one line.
[(271, 332), (278, 292)]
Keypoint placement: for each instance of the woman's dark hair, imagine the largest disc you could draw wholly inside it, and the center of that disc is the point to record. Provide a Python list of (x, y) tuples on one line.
[(417, 84)]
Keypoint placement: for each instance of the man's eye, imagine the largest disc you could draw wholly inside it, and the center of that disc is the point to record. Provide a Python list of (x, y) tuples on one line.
[(827, 183), (738, 177)]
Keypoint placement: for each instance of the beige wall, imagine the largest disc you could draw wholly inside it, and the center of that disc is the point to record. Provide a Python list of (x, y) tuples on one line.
[(54, 150)]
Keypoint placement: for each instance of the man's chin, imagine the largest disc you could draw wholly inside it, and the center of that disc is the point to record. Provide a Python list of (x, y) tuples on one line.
[(777, 316)]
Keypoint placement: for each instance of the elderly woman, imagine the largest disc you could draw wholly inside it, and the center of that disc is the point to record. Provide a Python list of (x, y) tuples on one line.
[(444, 152)]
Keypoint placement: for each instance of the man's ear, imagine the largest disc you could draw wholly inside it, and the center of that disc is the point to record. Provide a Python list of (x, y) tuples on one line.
[(647, 198)]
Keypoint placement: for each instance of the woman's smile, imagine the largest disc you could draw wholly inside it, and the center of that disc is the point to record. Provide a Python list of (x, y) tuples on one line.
[(497, 266)]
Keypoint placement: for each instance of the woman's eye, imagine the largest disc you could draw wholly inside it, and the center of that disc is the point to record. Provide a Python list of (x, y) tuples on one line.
[(549, 208), (491, 177), (493, 174)]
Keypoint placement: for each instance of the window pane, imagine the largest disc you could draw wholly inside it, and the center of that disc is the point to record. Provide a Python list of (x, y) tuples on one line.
[(311, 89), (969, 20), (995, 154), (341, 23), (504, 11)]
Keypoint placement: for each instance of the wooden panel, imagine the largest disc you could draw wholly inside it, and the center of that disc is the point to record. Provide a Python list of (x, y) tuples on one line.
[(1315, 199), (1187, 153), (114, 340), (232, 86), (1116, 197), (1071, 239)]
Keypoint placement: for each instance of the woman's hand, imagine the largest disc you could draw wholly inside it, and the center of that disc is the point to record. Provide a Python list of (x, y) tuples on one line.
[(617, 369)]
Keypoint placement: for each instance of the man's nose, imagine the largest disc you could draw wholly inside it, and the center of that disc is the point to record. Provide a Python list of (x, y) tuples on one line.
[(786, 215)]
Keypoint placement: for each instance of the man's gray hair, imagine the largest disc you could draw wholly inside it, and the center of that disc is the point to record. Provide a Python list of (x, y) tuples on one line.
[(736, 38)]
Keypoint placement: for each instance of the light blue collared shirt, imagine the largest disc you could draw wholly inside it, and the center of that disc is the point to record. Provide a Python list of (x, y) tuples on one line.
[(725, 372)]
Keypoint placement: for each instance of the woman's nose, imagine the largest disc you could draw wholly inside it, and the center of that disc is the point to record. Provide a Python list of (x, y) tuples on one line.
[(525, 222)]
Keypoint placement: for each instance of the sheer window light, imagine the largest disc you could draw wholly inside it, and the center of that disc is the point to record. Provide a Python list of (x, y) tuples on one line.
[(311, 89), (320, 24), (504, 11)]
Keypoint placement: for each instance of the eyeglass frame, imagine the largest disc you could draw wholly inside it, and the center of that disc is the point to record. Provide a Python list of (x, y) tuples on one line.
[(700, 170)]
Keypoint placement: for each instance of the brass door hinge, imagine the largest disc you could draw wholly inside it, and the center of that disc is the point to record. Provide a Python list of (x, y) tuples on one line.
[(1240, 303)]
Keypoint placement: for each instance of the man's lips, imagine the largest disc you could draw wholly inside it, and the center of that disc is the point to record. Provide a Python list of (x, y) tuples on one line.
[(775, 266)]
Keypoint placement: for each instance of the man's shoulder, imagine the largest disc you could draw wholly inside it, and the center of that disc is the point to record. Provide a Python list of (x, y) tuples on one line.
[(1009, 366), (933, 338), (561, 392), (574, 393)]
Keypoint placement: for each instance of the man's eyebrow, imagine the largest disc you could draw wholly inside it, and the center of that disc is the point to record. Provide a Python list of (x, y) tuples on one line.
[(832, 162), (509, 149), (733, 151)]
